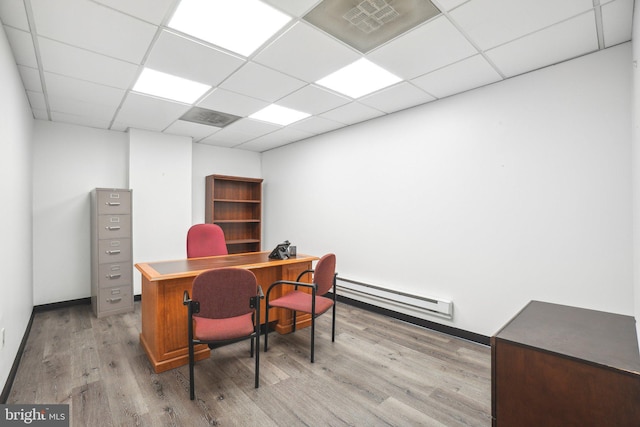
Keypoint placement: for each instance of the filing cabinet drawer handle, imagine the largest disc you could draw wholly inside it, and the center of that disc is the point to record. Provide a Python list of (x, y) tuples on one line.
[(113, 227), (113, 300), (113, 252), (113, 276), (112, 203)]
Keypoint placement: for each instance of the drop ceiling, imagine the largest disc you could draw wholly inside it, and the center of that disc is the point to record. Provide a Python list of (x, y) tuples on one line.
[(79, 61)]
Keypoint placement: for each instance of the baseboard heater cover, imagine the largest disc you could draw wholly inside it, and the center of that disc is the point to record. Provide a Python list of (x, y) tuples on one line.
[(413, 305)]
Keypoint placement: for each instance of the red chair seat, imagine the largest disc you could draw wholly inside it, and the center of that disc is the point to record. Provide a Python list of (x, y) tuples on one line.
[(222, 329), (301, 301)]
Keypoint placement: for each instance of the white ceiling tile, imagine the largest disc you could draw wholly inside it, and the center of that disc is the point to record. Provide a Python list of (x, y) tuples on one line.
[(37, 101), (569, 39), (40, 114), (195, 130), (93, 122), (490, 23), (464, 75), (261, 82), (101, 112), (446, 5), (253, 128), (146, 112), (316, 125), (227, 138), (352, 113), (313, 100), (153, 11), (22, 46), (93, 27), (30, 78), (617, 22), (84, 65), (13, 14), (82, 90), (180, 56), (424, 49), (306, 53), (232, 103), (396, 98), (296, 8), (275, 139)]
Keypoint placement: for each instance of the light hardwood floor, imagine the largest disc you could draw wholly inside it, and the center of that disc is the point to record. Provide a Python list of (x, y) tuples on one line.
[(379, 372)]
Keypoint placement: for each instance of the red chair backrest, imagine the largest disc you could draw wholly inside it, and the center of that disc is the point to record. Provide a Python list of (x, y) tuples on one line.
[(205, 240), (324, 272), (224, 292)]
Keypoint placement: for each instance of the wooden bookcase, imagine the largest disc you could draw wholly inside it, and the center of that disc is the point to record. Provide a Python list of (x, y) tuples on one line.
[(235, 204)]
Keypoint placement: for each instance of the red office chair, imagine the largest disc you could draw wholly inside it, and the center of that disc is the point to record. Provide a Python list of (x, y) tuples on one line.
[(224, 309), (324, 280), (205, 240)]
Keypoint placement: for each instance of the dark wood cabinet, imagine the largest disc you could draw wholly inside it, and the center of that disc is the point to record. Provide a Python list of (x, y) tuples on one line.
[(555, 365), (235, 204)]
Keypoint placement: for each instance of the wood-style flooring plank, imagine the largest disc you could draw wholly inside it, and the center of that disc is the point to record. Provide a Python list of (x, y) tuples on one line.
[(378, 372)]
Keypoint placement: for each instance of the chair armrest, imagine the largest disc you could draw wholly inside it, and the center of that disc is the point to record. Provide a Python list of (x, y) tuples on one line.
[(288, 282), (260, 293), (303, 273), (185, 298)]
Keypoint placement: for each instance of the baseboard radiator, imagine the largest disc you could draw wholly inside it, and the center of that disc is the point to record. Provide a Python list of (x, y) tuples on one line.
[(413, 305)]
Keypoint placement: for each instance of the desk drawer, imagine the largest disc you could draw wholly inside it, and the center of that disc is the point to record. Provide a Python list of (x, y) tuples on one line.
[(114, 226), (114, 250), (115, 274), (113, 202), (115, 298)]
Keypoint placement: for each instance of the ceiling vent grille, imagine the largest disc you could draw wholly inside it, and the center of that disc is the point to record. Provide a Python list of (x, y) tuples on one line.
[(367, 24), (209, 117)]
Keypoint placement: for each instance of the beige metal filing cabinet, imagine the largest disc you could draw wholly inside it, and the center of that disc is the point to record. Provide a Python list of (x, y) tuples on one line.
[(111, 260)]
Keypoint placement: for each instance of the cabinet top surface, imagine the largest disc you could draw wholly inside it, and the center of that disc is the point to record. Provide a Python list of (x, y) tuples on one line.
[(603, 338)]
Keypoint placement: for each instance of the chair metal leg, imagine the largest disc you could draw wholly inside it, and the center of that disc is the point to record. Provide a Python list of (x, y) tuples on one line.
[(333, 323), (258, 356), (192, 393), (266, 326)]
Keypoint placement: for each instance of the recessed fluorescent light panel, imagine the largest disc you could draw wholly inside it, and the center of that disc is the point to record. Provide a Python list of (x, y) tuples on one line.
[(279, 115), (238, 26), (359, 79), (168, 86)]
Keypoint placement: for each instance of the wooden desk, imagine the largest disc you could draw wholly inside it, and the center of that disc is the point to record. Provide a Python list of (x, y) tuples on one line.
[(164, 318), (556, 365)]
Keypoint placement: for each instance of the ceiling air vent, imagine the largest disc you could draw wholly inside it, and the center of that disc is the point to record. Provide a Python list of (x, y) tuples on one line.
[(366, 24), (209, 117)]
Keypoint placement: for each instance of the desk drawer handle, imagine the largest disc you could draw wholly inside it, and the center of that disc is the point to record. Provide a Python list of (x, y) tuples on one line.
[(112, 203), (113, 227), (114, 300), (113, 252), (113, 276)]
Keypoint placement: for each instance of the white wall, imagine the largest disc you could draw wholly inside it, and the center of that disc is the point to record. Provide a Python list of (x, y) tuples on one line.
[(69, 161), (160, 176), (16, 128), (512, 192), (636, 162), (209, 160)]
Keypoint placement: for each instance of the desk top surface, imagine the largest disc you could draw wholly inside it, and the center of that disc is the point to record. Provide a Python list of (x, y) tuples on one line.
[(598, 337), (190, 267)]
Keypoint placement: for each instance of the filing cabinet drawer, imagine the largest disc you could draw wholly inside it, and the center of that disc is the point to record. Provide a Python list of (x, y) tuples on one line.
[(115, 298), (113, 202), (114, 226), (116, 274), (114, 250)]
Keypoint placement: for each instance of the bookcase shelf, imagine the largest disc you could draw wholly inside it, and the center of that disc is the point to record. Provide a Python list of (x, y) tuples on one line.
[(235, 204)]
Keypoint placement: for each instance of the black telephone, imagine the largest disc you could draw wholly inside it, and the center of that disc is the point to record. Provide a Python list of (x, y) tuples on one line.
[(280, 251)]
